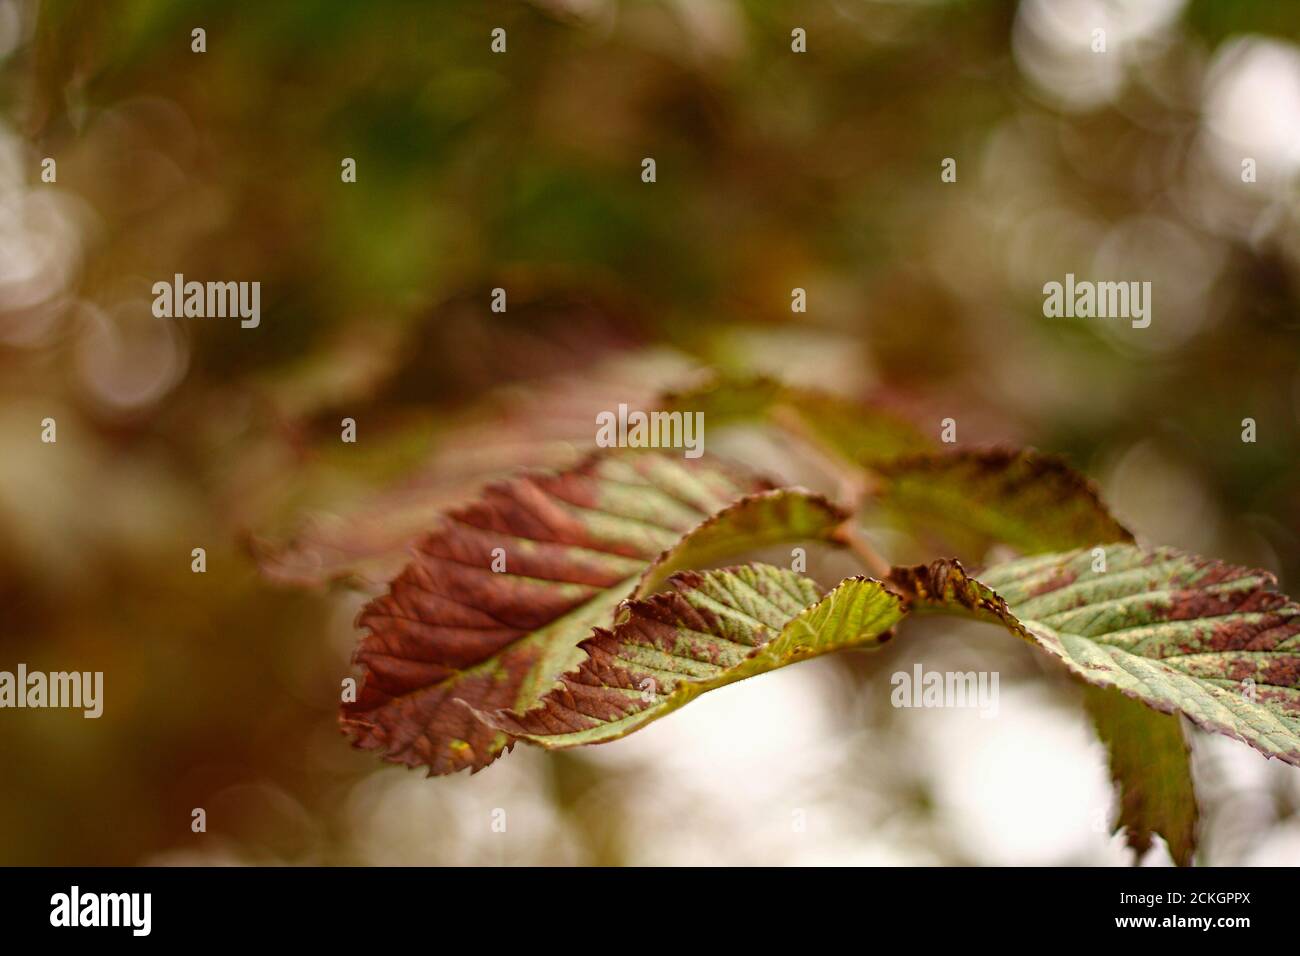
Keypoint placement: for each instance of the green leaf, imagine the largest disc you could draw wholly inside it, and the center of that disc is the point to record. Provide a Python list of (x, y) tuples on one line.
[(709, 629), (854, 431), (492, 607), (784, 514), (960, 502), (1180, 633), (963, 501), (1151, 769)]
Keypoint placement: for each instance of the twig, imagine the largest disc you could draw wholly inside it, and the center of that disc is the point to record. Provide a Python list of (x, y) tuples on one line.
[(851, 480), (848, 535)]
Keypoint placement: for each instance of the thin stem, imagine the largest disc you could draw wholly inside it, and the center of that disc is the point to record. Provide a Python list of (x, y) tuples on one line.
[(850, 479), (848, 535), (855, 485)]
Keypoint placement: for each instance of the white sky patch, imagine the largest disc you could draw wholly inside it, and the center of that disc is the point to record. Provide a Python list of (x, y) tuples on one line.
[(1026, 789), (1052, 41), (1252, 109)]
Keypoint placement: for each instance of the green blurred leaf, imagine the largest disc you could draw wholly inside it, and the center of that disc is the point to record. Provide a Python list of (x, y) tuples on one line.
[(961, 502), (856, 432), (1151, 769)]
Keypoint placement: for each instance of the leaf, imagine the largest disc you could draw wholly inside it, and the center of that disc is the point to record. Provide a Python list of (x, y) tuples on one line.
[(1180, 633), (574, 543), (1035, 503), (707, 630), (548, 423), (1152, 772), (960, 502), (793, 514), (857, 432)]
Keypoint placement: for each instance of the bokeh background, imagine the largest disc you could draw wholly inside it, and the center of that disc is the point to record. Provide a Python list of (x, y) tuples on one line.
[(775, 170)]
